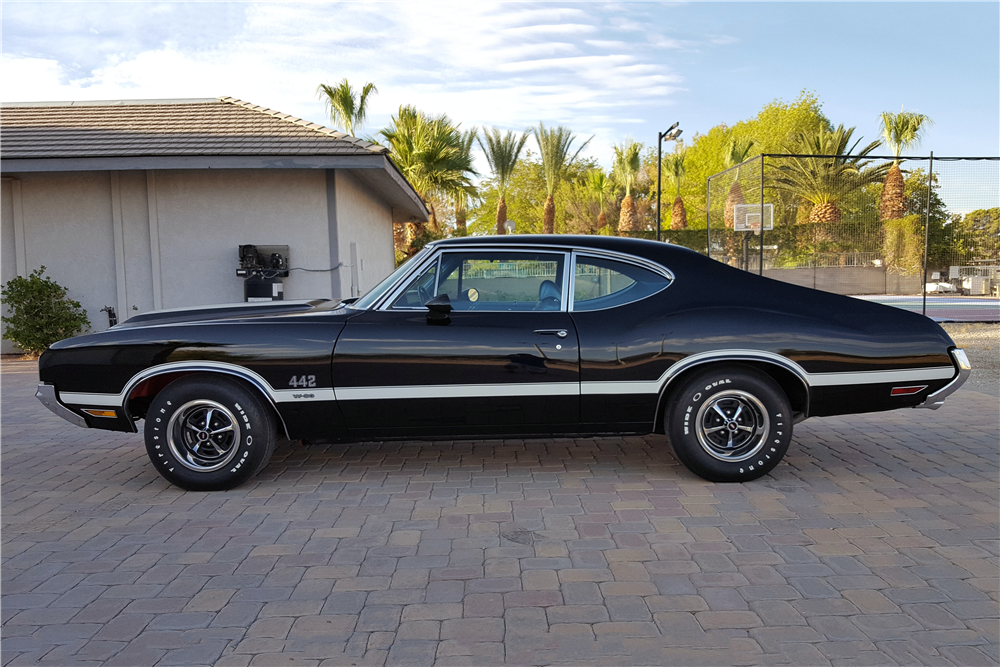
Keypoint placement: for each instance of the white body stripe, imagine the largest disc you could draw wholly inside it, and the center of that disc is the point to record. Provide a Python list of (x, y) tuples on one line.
[(875, 377), (102, 400), (458, 391), (519, 389)]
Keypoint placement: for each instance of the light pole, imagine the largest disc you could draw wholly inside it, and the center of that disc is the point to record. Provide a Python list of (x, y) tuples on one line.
[(671, 134)]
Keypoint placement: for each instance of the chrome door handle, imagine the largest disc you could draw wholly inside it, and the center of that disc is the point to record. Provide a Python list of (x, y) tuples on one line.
[(562, 333)]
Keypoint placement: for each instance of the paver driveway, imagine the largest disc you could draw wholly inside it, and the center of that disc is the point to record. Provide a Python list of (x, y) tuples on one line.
[(874, 543)]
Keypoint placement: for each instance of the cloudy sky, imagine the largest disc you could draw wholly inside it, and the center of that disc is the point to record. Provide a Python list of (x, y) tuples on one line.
[(603, 69)]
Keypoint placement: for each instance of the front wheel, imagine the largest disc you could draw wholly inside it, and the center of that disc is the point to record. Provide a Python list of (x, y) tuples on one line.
[(206, 433), (729, 424)]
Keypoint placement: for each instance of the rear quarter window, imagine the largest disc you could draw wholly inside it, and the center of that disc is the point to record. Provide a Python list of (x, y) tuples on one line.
[(600, 283)]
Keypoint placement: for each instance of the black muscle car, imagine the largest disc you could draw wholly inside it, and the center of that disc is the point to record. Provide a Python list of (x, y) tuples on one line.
[(506, 336)]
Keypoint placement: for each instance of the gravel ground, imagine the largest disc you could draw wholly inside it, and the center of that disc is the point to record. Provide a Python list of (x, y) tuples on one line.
[(982, 343)]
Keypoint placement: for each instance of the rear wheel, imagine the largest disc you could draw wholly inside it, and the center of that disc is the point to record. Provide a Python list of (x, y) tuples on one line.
[(729, 424), (207, 433)]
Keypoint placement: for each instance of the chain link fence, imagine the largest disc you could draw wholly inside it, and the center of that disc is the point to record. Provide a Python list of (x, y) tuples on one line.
[(921, 233)]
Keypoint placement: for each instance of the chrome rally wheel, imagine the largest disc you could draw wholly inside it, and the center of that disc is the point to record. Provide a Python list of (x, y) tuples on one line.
[(203, 435), (732, 425)]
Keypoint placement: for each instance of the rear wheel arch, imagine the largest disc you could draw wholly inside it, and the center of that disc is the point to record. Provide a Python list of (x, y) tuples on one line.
[(728, 422), (795, 388)]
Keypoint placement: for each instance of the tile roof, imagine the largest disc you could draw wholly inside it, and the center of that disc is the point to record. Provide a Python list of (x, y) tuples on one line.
[(141, 128)]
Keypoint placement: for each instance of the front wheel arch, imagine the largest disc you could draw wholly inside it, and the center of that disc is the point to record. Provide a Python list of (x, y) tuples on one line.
[(142, 393)]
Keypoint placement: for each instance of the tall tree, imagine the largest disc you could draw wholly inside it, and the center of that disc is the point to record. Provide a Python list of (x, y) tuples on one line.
[(430, 152), (825, 181), (901, 131), (348, 109), (555, 146), (626, 172), (676, 171), (502, 152), (600, 187), (461, 196), (737, 152)]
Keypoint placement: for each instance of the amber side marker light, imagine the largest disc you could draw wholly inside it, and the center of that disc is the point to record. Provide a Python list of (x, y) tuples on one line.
[(908, 391), (101, 413)]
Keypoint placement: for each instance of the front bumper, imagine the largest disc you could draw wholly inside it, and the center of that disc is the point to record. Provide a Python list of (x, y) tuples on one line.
[(936, 400), (47, 395)]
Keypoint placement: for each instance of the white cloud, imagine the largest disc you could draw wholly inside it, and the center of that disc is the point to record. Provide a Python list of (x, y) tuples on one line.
[(483, 63)]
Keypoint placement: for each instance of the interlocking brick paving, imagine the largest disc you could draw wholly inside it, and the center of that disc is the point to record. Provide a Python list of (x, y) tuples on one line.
[(874, 543)]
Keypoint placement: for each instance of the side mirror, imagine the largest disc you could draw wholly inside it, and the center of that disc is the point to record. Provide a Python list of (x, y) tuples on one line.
[(439, 310)]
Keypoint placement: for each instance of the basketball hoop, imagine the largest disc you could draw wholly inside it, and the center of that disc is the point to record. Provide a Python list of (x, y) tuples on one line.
[(746, 218)]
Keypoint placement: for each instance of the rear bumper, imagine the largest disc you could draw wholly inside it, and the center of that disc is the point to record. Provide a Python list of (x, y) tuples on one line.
[(936, 400), (47, 395)]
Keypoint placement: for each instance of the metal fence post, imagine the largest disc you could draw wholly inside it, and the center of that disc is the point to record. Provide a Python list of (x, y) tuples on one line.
[(927, 230), (761, 270), (708, 217)]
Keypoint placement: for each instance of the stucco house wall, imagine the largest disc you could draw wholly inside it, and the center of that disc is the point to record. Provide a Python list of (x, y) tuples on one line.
[(151, 230), (364, 237)]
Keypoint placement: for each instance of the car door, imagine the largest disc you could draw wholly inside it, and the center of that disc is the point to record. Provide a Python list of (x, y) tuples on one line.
[(505, 360)]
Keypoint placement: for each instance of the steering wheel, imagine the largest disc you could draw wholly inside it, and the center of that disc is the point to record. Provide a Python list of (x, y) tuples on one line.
[(424, 294)]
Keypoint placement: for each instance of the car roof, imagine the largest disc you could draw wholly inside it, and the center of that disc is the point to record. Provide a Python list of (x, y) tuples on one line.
[(653, 250)]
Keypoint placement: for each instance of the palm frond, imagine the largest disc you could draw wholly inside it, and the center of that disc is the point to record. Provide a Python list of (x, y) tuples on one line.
[(738, 150), (627, 163), (502, 152), (430, 151), (555, 145), (347, 110), (675, 167), (903, 130), (827, 180)]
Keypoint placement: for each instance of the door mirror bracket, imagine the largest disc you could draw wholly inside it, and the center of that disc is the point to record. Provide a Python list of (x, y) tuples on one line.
[(439, 310)]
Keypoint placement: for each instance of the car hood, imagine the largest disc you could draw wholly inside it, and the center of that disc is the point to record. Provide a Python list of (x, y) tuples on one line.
[(226, 311)]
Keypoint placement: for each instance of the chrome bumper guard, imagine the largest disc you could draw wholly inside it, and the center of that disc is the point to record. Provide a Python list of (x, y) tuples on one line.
[(936, 400), (47, 395)]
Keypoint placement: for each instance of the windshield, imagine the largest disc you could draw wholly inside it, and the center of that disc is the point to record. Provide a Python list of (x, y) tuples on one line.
[(376, 292)]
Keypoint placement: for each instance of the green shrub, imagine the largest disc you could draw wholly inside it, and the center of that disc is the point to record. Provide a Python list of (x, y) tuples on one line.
[(40, 312)]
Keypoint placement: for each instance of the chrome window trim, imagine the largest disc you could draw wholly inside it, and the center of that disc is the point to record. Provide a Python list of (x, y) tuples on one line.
[(624, 258), (404, 282)]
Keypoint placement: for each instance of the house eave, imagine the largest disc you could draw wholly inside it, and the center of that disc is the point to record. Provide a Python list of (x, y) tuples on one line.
[(377, 171)]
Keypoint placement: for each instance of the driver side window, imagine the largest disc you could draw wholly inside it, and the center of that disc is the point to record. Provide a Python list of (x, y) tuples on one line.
[(491, 281)]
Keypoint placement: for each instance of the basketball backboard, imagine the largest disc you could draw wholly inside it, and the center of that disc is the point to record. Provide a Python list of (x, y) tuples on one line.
[(746, 217)]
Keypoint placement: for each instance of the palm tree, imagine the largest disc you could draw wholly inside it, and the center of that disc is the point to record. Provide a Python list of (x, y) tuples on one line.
[(901, 131), (600, 186), (626, 172), (461, 196), (737, 151), (502, 152), (824, 181), (429, 150), (347, 110), (554, 146), (675, 170)]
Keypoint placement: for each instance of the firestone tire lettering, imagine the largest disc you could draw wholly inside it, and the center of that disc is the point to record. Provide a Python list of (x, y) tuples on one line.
[(729, 423), (169, 441)]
